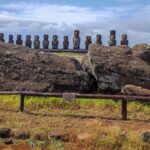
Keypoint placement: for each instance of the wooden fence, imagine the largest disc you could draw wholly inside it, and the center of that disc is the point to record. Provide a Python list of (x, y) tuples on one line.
[(123, 98)]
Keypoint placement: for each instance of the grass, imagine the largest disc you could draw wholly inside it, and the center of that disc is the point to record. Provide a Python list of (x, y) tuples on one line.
[(69, 54), (92, 124)]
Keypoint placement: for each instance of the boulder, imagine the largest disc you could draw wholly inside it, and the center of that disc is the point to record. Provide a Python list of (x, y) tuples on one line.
[(5, 133), (23, 69), (145, 137), (116, 66), (22, 135)]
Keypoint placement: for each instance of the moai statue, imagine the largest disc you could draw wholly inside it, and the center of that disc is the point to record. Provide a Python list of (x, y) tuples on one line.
[(28, 41), (124, 40), (88, 41), (76, 39), (2, 37), (99, 39), (66, 42), (19, 40), (55, 42), (10, 39), (45, 41), (112, 38), (36, 42)]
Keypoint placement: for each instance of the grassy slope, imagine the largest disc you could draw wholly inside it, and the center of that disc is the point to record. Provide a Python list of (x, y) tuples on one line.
[(98, 121), (92, 125)]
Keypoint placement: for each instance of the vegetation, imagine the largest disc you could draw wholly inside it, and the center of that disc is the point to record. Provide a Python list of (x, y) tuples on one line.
[(91, 124)]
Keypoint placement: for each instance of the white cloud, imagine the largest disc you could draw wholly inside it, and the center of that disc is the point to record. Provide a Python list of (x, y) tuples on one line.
[(54, 18)]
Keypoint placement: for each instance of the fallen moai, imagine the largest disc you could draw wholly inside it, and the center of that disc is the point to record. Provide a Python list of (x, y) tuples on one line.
[(116, 66), (24, 70)]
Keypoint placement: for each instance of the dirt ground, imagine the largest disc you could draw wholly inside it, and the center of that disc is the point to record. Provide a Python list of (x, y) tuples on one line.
[(83, 126)]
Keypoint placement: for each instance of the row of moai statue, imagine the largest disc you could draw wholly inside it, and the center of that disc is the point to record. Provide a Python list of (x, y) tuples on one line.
[(55, 41)]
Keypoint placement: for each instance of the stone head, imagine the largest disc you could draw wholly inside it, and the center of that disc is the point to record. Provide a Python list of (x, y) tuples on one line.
[(88, 38), (55, 37), (124, 36), (1, 35), (45, 37), (19, 37), (28, 37), (98, 37), (36, 37), (112, 37), (10, 37), (112, 32), (76, 33), (66, 38)]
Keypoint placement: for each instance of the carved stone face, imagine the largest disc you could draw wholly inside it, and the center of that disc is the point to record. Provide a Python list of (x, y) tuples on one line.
[(98, 37), (10, 37), (112, 37), (65, 38), (28, 37), (76, 33), (124, 37), (112, 32), (1, 36), (46, 37), (36, 38), (88, 38), (19, 37), (55, 37)]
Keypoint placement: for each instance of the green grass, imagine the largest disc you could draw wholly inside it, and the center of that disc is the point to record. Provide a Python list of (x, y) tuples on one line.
[(36, 103), (106, 134)]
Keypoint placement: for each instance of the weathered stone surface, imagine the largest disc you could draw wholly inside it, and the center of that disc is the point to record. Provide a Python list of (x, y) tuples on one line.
[(66, 42), (41, 137), (88, 41), (115, 67), (59, 136), (8, 142), (22, 135), (5, 132), (26, 70), (10, 39), (135, 90), (145, 137), (76, 39), (55, 42)]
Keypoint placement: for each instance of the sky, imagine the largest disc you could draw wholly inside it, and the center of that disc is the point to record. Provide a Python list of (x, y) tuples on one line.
[(91, 17)]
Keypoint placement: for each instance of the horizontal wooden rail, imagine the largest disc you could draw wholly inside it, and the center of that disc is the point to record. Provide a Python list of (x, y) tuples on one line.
[(123, 98)]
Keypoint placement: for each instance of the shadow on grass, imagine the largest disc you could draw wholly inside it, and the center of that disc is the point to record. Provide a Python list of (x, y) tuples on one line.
[(76, 116)]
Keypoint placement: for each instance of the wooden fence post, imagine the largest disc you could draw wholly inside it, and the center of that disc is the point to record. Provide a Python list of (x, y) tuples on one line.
[(22, 102), (124, 109)]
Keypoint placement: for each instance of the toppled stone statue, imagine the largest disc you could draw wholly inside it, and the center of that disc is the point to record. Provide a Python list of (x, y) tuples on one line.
[(99, 39), (45, 41), (36, 42), (124, 40), (116, 66), (76, 39), (28, 42), (10, 39), (55, 42), (2, 37), (19, 40), (112, 38), (88, 41), (135, 90), (66, 42)]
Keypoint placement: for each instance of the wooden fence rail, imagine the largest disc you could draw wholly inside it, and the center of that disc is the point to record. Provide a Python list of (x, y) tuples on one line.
[(123, 98)]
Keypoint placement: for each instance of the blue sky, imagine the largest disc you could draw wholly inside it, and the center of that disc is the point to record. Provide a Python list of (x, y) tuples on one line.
[(91, 17)]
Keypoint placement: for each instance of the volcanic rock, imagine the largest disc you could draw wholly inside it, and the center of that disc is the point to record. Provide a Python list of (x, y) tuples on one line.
[(116, 66), (23, 69), (135, 90)]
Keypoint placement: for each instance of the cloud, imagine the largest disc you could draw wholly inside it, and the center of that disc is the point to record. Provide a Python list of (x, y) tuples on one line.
[(40, 18)]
